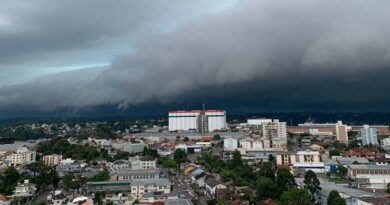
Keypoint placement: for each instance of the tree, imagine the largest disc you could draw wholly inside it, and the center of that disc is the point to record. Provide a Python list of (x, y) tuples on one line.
[(285, 180), (267, 171), (342, 171), (8, 180), (312, 184), (101, 176), (266, 188), (180, 156), (217, 137), (334, 198), (334, 152), (237, 160), (295, 196), (388, 188)]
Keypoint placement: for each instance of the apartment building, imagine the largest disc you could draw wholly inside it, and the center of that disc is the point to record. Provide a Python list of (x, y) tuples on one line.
[(289, 158), (22, 156), (52, 160)]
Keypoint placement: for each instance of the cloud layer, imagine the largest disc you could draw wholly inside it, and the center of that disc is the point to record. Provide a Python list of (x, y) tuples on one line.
[(274, 54)]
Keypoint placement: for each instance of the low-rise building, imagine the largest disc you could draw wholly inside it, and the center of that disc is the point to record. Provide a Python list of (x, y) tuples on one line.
[(134, 147), (129, 174), (212, 185), (144, 162), (230, 144), (370, 175), (25, 189)]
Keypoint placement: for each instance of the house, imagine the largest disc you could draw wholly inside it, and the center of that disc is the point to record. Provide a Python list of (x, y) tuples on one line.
[(212, 185), (25, 189), (22, 156), (4, 200), (230, 144)]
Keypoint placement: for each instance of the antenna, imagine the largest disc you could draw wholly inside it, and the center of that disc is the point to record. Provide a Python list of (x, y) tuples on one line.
[(203, 107)]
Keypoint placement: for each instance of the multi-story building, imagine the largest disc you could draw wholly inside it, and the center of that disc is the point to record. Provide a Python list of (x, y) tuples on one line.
[(274, 129), (52, 160), (199, 120), (370, 175), (341, 132), (145, 162), (139, 187), (289, 158), (368, 135), (22, 156), (128, 174), (230, 143)]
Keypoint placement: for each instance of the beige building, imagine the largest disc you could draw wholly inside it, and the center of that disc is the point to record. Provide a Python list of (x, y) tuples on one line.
[(289, 158), (52, 160), (341, 132), (22, 156)]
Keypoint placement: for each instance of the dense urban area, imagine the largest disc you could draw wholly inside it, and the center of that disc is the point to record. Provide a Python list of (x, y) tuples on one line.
[(194, 157)]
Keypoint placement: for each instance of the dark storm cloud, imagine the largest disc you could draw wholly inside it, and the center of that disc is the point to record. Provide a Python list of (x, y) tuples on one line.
[(273, 54)]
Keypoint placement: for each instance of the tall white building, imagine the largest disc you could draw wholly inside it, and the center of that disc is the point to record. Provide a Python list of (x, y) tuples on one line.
[(199, 120), (368, 135), (22, 156)]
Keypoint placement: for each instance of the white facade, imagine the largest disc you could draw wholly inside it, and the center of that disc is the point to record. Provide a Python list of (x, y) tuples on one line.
[(230, 144), (22, 156), (142, 163), (258, 121), (189, 120), (275, 129), (368, 135)]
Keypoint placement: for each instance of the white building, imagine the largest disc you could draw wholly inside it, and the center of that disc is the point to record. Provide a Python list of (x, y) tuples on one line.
[(370, 175), (230, 144), (24, 189), (139, 187), (258, 122), (199, 120), (368, 135), (275, 129), (22, 156), (145, 162)]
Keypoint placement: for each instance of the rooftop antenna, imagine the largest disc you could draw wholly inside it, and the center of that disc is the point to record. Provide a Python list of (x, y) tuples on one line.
[(203, 107)]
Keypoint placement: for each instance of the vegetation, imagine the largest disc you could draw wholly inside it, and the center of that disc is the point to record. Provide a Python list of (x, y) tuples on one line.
[(295, 196), (67, 150), (8, 180), (342, 171), (101, 176), (43, 175), (266, 188), (312, 184), (267, 171), (334, 198), (285, 180), (234, 169), (388, 188), (180, 156)]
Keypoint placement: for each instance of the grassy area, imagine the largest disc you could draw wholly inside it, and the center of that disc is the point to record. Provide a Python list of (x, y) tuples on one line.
[(339, 180)]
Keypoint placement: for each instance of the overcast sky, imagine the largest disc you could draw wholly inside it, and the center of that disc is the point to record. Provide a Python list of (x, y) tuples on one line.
[(269, 55)]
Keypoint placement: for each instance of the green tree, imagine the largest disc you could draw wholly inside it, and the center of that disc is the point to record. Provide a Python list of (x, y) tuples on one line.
[(8, 180), (342, 171), (285, 180), (180, 156), (236, 160), (266, 188), (267, 171), (334, 152), (311, 182), (217, 137), (388, 187), (101, 176), (334, 198), (295, 196)]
